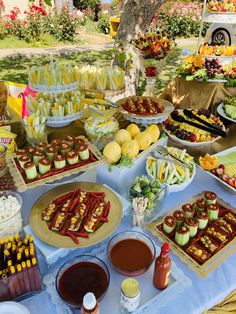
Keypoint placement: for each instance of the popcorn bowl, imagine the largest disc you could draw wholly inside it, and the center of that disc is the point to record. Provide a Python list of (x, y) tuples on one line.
[(12, 223)]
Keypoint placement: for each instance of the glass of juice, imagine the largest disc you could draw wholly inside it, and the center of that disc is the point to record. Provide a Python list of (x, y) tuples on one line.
[(80, 275)]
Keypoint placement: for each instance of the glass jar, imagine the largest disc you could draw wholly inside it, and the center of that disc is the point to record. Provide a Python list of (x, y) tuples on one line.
[(130, 295), (3, 165), (35, 133), (12, 224)]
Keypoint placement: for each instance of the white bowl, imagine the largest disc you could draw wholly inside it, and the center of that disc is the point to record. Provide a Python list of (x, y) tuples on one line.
[(171, 188)]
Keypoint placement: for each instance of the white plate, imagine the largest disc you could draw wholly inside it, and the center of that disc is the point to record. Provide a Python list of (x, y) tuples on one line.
[(13, 308), (147, 119), (58, 122), (226, 185), (220, 110)]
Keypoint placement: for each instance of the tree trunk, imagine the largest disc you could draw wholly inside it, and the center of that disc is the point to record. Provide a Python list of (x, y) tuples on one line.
[(136, 17)]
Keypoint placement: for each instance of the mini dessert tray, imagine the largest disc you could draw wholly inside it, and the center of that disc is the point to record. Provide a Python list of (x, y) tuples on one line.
[(151, 110), (23, 183), (206, 231)]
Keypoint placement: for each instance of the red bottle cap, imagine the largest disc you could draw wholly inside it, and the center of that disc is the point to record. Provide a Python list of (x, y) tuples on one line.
[(165, 247)]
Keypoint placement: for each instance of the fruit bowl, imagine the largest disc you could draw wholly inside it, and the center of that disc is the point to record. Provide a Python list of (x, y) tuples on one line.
[(190, 135), (131, 253), (165, 171)]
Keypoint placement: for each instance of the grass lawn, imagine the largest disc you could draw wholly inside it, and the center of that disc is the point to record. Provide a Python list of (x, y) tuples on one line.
[(13, 42), (16, 70)]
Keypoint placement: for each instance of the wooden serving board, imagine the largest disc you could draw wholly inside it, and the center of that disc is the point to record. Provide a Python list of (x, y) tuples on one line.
[(214, 261)]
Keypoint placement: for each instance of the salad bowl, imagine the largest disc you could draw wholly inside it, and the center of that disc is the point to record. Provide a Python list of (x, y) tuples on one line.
[(175, 177)]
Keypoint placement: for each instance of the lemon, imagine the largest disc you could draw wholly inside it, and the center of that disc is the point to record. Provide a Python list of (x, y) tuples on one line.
[(144, 140), (154, 131), (133, 129), (130, 148), (122, 136), (112, 152)]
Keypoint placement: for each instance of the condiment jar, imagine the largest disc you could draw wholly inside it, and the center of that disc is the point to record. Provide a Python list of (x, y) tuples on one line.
[(162, 268), (130, 295), (90, 304)]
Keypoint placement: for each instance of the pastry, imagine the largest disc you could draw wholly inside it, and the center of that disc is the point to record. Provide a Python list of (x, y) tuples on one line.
[(210, 197), (203, 219), (169, 224), (44, 165), (223, 225), (179, 215), (192, 224), (182, 235), (213, 211), (197, 252), (217, 234), (231, 218), (188, 210)]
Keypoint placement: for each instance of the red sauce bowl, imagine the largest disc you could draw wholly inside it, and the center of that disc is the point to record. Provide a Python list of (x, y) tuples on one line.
[(131, 253), (80, 275)]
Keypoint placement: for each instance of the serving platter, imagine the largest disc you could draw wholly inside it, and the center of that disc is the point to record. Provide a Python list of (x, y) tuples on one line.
[(220, 110), (187, 142), (202, 269), (23, 184), (225, 185), (40, 227), (150, 118)]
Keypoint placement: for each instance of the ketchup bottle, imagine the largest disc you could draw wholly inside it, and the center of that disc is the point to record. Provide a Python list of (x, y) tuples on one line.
[(162, 268)]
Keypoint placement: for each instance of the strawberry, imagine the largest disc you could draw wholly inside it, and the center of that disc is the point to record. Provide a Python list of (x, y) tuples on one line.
[(219, 171), (221, 166), (225, 177), (231, 182), (193, 137), (166, 122)]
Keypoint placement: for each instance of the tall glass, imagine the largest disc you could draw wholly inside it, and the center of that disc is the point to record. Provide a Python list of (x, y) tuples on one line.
[(35, 133)]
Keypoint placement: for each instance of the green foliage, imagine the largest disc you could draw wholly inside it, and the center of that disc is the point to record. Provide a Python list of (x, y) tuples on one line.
[(65, 26), (84, 4), (103, 22), (3, 30)]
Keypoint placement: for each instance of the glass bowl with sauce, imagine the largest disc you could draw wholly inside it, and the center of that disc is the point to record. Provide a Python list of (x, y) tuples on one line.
[(131, 253), (80, 275)]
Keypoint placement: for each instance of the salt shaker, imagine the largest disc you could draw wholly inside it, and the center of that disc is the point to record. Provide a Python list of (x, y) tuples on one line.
[(130, 295)]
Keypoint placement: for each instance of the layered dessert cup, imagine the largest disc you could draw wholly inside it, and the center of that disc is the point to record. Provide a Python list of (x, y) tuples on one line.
[(64, 148), (42, 146), (188, 210), (200, 205), (72, 157), (192, 224), (212, 211), (21, 152), (169, 224), (51, 152), (59, 161), (71, 141), (203, 219), (83, 152), (179, 216), (22, 160), (30, 170), (182, 235), (31, 150), (37, 156), (44, 165), (210, 197)]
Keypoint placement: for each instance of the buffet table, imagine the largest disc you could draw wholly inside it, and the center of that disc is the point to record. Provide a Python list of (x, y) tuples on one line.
[(203, 294)]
